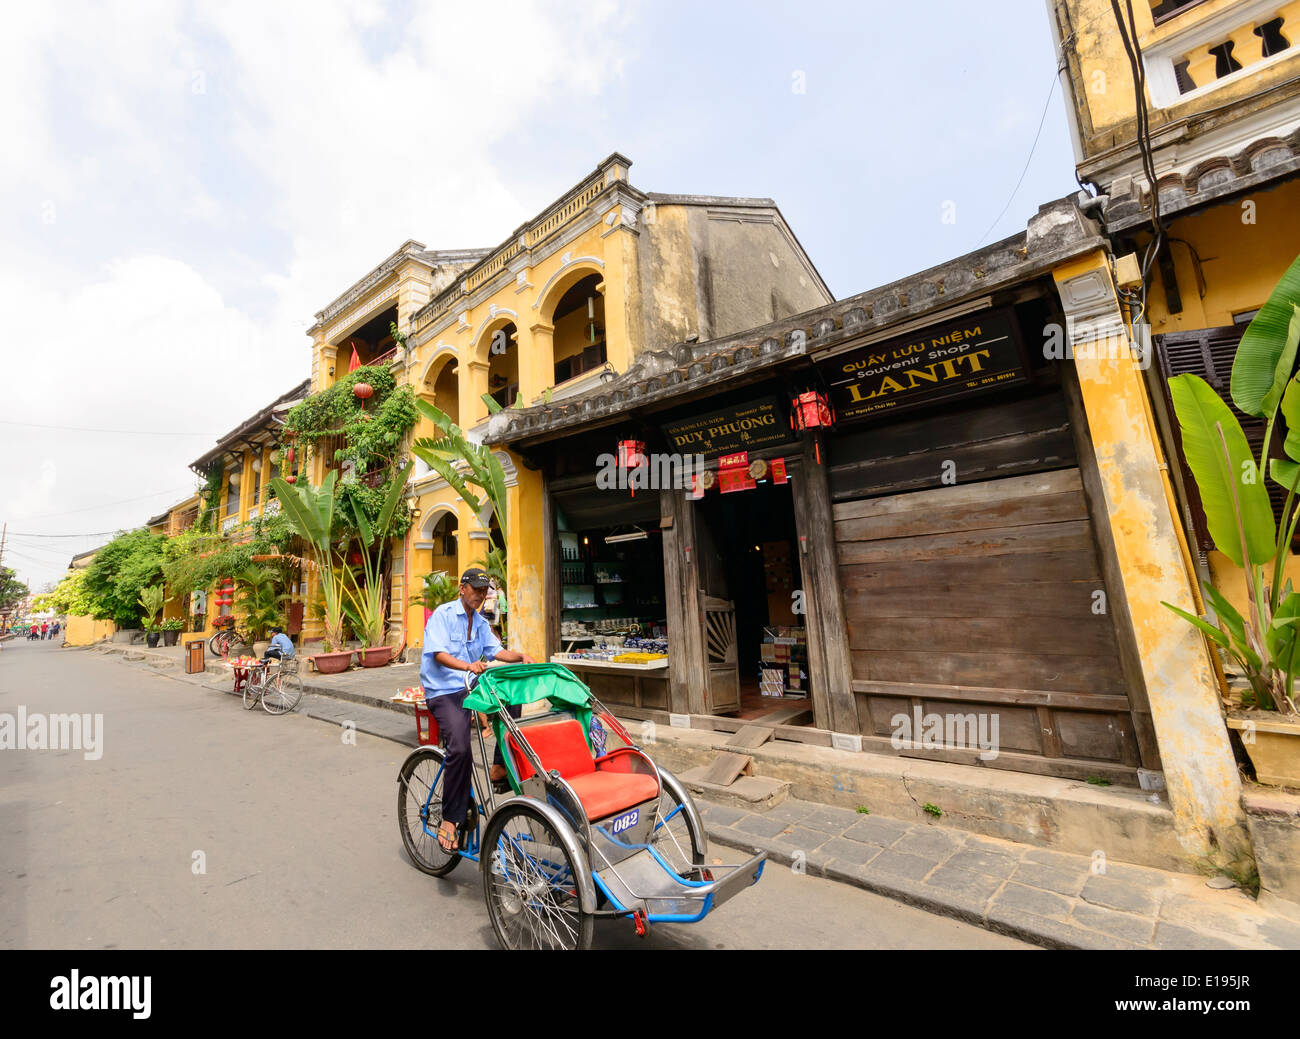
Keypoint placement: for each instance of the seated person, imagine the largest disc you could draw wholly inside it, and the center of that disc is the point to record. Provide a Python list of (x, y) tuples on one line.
[(455, 639), (281, 648)]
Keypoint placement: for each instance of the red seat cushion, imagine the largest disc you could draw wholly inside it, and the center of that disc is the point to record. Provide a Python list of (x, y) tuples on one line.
[(560, 745), (604, 793)]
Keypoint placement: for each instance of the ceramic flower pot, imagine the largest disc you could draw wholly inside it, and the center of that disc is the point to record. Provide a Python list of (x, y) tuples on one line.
[(170, 636), (332, 663), (152, 639), (1272, 742), (375, 656)]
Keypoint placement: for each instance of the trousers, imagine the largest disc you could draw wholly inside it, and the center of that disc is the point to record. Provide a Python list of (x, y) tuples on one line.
[(454, 722)]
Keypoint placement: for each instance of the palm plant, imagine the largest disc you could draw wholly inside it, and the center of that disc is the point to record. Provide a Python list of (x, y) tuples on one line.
[(310, 512), (465, 465), (439, 587), (365, 603), (260, 600), (1265, 642)]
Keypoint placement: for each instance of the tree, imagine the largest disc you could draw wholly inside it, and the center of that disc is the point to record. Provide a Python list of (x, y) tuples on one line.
[(121, 570), (69, 597), (12, 590)]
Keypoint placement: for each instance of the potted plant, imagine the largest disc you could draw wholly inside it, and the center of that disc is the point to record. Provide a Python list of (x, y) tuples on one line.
[(439, 587), (171, 630), (151, 600), (1265, 640), (261, 602), (310, 512), (366, 602)]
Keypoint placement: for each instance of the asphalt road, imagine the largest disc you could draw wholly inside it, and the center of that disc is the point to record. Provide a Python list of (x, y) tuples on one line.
[(201, 825)]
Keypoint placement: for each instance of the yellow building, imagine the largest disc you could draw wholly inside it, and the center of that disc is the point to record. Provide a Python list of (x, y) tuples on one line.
[(1222, 113), (572, 296)]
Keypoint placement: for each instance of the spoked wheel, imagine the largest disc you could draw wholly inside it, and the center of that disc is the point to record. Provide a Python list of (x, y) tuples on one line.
[(674, 837), (217, 644), (252, 689), (530, 883), (419, 811), (283, 694)]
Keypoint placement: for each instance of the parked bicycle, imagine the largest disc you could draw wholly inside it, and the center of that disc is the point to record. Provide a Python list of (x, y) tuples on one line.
[(275, 684), (225, 639)]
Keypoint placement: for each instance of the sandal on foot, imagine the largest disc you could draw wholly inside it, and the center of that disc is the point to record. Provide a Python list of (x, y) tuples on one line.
[(447, 838)]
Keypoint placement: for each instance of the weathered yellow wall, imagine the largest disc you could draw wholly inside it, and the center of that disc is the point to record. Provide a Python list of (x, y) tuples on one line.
[(86, 631), (1103, 82), (526, 552)]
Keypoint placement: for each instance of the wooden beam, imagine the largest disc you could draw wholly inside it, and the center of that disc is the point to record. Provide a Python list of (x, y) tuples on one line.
[(829, 659), (686, 662)]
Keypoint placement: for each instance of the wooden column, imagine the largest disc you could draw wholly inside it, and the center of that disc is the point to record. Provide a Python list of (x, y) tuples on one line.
[(1116, 601), (834, 706), (686, 664)]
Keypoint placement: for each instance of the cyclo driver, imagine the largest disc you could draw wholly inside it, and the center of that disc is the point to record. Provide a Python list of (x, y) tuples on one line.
[(456, 640)]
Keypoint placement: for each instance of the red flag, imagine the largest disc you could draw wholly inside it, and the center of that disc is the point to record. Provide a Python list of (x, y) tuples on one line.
[(355, 363)]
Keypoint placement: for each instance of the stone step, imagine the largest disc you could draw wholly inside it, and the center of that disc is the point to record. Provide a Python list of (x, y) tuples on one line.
[(752, 793)]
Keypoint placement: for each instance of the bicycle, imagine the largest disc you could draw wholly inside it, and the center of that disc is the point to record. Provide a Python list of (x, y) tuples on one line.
[(221, 642), (278, 693)]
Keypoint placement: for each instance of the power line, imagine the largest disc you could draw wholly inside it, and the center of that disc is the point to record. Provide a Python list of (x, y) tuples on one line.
[(92, 534), (1056, 78), (131, 432), (107, 504)]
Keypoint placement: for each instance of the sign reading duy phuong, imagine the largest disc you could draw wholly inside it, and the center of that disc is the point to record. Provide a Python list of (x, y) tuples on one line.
[(746, 427), (978, 352)]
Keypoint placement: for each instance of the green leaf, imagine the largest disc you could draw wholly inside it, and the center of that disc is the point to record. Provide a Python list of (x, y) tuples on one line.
[(1255, 368), (1205, 626), (1283, 472), (492, 405), (1222, 480), (1285, 365), (1229, 618)]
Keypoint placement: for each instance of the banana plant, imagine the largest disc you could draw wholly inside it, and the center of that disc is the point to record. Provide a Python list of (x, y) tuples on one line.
[(151, 600), (1264, 642), (310, 512), (365, 603), (465, 465)]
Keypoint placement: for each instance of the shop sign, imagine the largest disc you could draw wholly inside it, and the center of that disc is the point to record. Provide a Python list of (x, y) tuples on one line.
[(978, 352), (746, 427)]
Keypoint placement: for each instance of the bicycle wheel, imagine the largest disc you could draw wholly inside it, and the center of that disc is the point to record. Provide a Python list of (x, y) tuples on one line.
[(217, 644), (419, 811), (254, 687), (283, 694), (674, 837), (530, 883)]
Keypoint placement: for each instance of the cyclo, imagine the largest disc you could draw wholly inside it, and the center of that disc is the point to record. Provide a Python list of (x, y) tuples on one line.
[(591, 826)]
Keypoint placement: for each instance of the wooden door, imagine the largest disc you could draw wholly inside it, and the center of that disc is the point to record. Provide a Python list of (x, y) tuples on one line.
[(722, 668)]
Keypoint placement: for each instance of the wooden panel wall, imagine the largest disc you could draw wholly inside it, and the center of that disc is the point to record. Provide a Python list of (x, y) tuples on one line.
[(980, 596)]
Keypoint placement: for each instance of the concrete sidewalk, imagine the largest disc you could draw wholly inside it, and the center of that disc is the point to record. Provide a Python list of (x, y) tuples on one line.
[(1048, 897)]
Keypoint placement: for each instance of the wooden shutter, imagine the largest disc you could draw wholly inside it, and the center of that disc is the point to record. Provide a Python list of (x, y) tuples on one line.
[(1209, 353)]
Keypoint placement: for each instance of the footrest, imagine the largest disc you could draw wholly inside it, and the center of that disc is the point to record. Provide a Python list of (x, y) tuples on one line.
[(644, 882)]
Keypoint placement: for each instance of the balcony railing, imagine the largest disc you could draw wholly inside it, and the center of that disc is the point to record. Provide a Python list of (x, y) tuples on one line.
[(551, 220)]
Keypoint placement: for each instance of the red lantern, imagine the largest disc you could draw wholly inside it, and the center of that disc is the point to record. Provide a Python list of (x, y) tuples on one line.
[(291, 478), (363, 390), (631, 454), (811, 411), (290, 455)]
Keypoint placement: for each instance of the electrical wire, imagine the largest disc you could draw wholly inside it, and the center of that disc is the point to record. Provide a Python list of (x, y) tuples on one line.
[(107, 504), (1056, 79), (91, 534), (93, 429)]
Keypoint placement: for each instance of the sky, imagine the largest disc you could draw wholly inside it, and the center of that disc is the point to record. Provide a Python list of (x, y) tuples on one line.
[(185, 185)]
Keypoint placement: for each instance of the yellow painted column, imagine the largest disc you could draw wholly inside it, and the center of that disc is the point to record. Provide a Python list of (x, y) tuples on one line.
[(1200, 772), (473, 384), (525, 563), (622, 332)]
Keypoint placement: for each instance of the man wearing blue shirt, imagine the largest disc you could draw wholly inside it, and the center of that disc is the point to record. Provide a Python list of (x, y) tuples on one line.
[(456, 640), (280, 648)]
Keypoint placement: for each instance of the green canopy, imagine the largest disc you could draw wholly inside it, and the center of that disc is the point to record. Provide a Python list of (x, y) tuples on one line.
[(519, 684)]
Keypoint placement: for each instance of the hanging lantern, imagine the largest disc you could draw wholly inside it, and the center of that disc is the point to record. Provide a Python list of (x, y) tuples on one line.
[(275, 456), (811, 411), (631, 454), (363, 390), (290, 455), (291, 478)]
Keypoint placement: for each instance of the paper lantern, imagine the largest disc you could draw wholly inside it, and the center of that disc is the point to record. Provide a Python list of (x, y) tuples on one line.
[(363, 390), (811, 410), (631, 454)]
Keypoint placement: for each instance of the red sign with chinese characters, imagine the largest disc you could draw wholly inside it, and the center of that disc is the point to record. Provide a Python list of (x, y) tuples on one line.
[(733, 474), (778, 471)]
